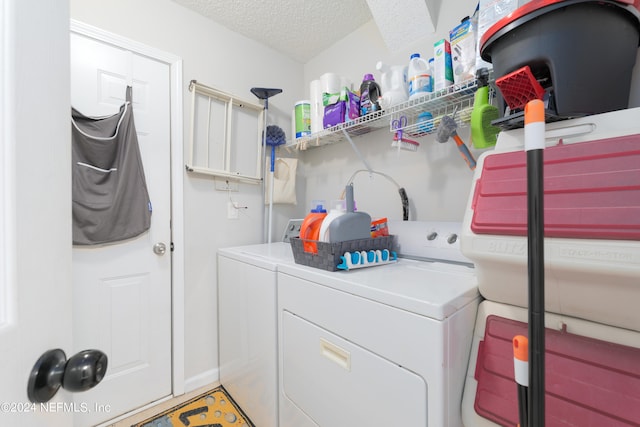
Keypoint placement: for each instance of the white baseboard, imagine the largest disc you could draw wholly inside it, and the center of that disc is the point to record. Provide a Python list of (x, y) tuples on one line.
[(201, 380)]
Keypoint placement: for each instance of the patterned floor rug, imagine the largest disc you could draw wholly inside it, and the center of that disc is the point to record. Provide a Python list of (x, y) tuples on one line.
[(212, 409)]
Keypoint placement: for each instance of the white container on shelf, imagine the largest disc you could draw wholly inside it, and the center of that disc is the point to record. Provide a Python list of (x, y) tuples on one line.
[(442, 66), (302, 119), (393, 82), (419, 76)]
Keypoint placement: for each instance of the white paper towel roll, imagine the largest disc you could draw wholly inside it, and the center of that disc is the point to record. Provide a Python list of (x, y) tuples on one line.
[(330, 83), (317, 109)]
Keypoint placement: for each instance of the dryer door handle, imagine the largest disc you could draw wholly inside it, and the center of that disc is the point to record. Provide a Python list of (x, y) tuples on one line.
[(336, 354)]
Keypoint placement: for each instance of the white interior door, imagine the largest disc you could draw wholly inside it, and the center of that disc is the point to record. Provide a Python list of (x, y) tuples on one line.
[(35, 222), (122, 291)]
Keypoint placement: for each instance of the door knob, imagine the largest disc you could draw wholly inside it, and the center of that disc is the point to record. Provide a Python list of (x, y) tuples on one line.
[(159, 248), (53, 370)]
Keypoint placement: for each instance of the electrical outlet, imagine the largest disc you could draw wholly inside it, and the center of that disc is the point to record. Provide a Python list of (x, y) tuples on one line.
[(232, 210)]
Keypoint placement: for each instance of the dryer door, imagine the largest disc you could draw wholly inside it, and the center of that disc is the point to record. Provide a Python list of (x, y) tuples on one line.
[(337, 383)]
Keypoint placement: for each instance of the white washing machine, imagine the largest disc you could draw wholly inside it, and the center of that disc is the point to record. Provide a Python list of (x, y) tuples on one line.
[(247, 328), (379, 346)]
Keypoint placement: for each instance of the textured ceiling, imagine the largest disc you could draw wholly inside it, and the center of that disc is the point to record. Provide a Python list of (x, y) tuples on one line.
[(299, 29)]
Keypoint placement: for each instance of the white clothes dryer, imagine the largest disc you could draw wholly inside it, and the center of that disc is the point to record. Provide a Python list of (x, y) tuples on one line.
[(247, 329), (380, 346)]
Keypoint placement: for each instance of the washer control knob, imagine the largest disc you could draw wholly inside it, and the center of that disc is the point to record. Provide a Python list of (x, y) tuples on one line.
[(452, 238), (432, 235)]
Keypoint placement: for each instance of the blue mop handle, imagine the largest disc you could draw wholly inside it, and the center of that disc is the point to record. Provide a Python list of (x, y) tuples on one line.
[(273, 158)]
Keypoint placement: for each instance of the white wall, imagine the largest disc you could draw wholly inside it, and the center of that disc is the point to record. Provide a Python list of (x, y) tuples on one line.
[(216, 57)]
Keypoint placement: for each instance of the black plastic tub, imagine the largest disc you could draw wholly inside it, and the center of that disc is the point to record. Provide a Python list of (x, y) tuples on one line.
[(581, 52)]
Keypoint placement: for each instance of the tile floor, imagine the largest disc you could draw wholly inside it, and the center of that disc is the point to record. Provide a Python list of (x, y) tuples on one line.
[(150, 412)]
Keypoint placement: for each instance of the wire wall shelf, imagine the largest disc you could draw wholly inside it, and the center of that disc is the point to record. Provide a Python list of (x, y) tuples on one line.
[(332, 135), (416, 117), (421, 116)]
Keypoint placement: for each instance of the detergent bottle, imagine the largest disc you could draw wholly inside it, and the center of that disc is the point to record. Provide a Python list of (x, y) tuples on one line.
[(419, 77), (369, 94), (393, 82), (310, 228)]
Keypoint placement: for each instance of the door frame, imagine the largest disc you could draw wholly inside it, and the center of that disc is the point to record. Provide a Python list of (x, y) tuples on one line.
[(177, 192), (7, 223)]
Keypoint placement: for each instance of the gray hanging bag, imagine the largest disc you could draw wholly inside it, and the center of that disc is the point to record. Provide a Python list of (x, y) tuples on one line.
[(109, 191)]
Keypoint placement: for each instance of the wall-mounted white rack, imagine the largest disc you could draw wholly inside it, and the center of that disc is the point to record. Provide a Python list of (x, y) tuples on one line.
[(225, 135), (457, 98)]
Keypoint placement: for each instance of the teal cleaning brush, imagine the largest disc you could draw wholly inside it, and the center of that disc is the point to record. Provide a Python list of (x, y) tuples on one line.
[(275, 136)]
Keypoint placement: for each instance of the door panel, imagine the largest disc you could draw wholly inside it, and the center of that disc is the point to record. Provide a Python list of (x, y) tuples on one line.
[(128, 339), (122, 291), (35, 213)]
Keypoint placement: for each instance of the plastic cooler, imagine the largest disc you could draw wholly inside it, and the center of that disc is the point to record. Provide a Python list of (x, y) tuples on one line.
[(592, 229), (589, 382), (592, 275), (581, 52)]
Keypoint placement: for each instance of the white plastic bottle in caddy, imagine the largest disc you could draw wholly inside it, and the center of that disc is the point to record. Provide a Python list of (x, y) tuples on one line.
[(338, 208), (419, 77)]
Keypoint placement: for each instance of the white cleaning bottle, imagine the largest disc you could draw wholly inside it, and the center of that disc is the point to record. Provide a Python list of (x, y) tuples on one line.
[(338, 208), (393, 82), (419, 77)]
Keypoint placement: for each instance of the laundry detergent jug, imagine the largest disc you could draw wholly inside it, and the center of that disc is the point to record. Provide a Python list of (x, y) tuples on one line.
[(310, 227), (393, 82), (369, 94), (419, 77)]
